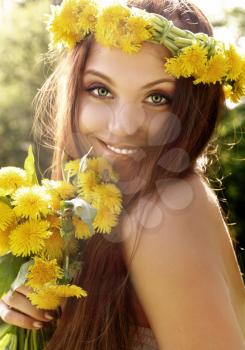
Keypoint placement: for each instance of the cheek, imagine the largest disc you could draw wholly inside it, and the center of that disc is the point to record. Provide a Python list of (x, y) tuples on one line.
[(93, 117), (164, 127)]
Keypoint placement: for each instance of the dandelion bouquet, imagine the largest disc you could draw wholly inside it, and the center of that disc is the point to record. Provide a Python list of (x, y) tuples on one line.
[(40, 229)]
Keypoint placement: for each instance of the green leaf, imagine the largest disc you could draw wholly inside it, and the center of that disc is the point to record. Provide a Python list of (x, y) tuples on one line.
[(83, 161), (84, 211), (22, 275), (5, 342), (29, 167), (9, 268), (6, 328)]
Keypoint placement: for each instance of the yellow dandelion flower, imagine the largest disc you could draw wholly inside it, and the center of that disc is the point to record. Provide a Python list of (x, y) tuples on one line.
[(107, 195), (45, 298), (102, 167), (135, 33), (228, 91), (238, 89), (65, 190), (66, 291), (235, 63), (42, 272), (62, 24), (4, 239), (86, 182), (61, 188), (55, 201), (139, 27), (31, 202), (7, 216), (104, 220), (193, 60), (29, 237), (174, 66), (81, 228), (54, 245), (127, 46), (72, 167), (67, 39), (117, 27), (110, 24), (51, 296), (11, 178), (216, 69), (4, 242), (87, 17)]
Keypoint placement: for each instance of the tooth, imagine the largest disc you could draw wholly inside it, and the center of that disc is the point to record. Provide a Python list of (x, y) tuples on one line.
[(121, 151)]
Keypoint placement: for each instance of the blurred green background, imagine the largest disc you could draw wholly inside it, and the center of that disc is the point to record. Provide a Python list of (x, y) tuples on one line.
[(24, 40)]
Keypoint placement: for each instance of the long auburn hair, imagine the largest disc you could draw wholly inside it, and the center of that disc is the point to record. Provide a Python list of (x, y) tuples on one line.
[(105, 320)]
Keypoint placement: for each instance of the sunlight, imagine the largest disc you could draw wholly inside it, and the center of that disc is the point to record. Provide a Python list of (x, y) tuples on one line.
[(215, 10)]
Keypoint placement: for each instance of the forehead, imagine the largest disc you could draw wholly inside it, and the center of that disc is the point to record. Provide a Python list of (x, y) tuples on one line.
[(149, 60)]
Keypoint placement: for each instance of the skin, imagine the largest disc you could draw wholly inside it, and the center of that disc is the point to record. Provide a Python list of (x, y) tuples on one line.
[(127, 115)]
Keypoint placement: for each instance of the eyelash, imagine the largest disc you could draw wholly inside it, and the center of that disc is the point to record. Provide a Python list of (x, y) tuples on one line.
[(167, 98)]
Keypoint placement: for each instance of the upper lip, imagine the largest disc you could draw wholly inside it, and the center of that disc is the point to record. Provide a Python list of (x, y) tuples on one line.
[(120, 145)]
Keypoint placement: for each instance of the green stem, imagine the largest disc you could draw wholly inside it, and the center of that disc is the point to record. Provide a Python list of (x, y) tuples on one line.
[(158, 20), (180, 32), (158, 27), (26, 345), (42, 339), (21, 338), (171, 36), (66, 269), (187, 42), (171, 46), (13, 344), (34, 339), (10, 346), (181, 46)]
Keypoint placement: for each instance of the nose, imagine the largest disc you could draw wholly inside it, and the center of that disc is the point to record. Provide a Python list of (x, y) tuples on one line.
[(127, 119)]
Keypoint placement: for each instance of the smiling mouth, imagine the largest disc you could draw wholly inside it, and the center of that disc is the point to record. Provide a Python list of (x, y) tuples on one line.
[(121, 151)]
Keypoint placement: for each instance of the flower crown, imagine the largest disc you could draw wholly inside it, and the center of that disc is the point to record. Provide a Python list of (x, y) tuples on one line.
[(195, 55)]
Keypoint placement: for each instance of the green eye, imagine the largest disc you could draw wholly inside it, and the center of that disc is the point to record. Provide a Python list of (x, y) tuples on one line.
[(102, 93), (157, 98)]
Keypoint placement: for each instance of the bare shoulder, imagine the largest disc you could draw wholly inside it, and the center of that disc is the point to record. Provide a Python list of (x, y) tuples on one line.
[(180, 212), (178, 268)]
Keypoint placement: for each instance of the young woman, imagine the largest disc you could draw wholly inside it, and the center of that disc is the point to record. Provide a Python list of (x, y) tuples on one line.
[(167, 277)]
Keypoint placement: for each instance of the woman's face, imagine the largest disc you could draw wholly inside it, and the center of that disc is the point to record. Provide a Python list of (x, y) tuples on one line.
[(125, 101)]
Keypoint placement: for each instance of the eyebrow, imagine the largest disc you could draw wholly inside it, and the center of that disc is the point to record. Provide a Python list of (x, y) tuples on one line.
[(103, 76)]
